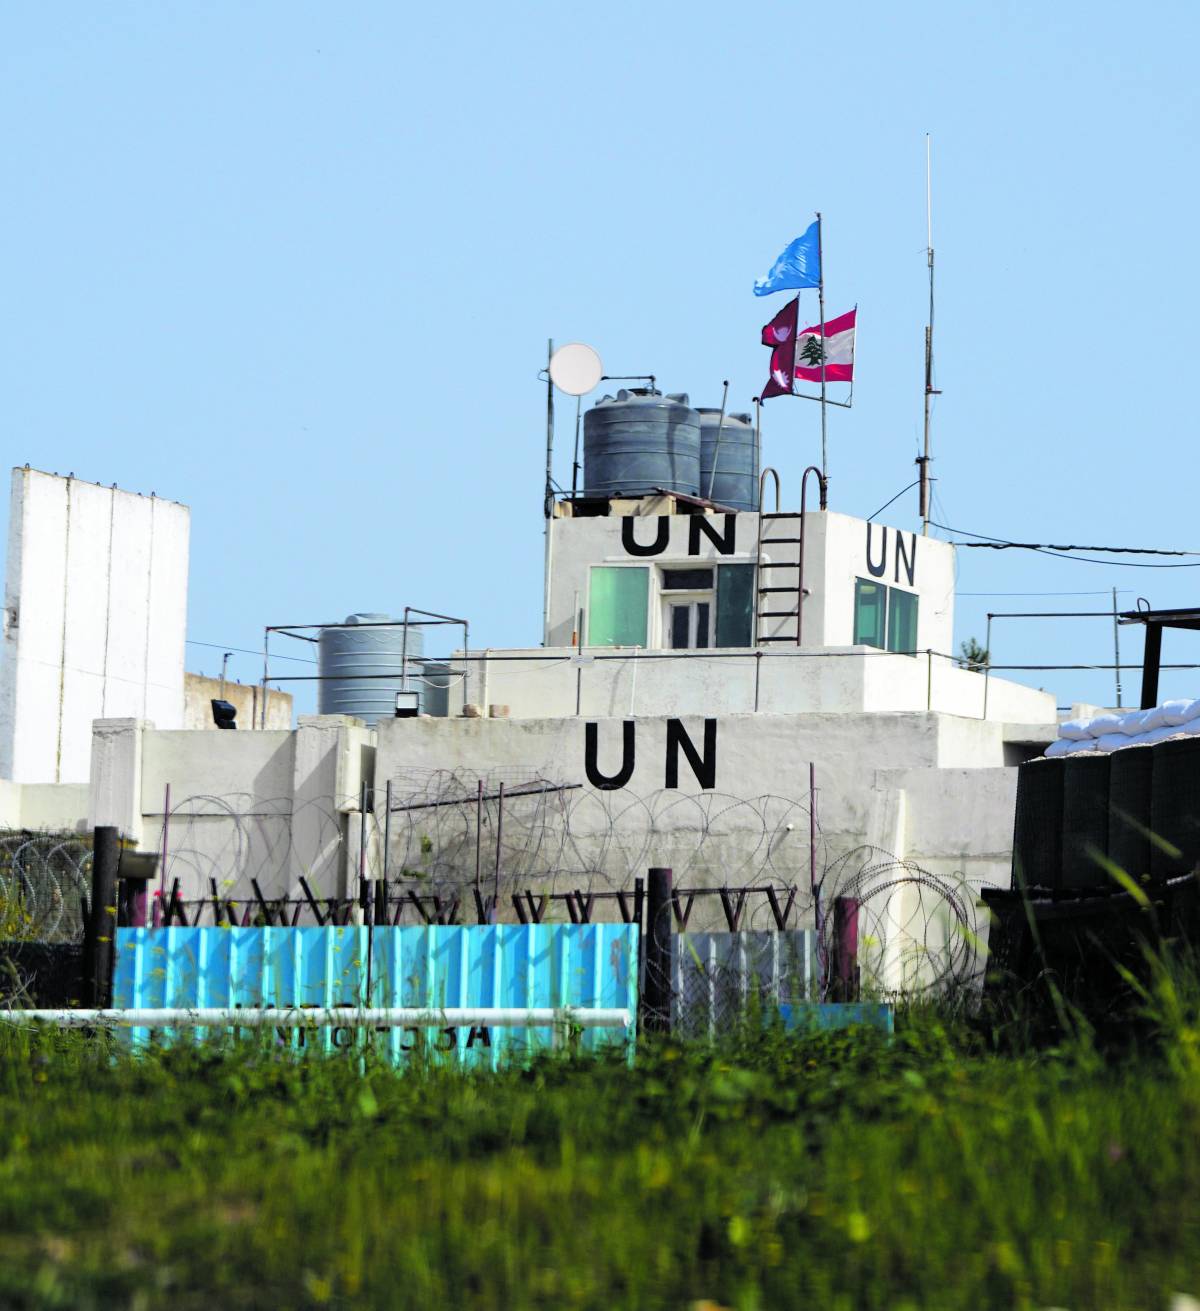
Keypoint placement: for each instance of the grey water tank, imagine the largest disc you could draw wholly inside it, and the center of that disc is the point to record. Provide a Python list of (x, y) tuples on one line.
[(351, 658), (438, 678), (640, 441), (737, 460)]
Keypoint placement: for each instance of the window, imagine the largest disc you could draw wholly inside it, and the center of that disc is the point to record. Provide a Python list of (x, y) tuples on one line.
[(870, 615), (687, 580), (688, 625), (885, 617), (735, 604), (617, 605), (902, 621)]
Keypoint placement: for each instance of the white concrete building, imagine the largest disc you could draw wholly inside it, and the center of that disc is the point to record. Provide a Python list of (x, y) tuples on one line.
[(698, 662), (95, 609), (675, 737)]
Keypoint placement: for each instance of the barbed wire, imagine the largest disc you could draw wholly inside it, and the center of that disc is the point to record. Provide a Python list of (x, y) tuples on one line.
[(518, 843), (45, 880)]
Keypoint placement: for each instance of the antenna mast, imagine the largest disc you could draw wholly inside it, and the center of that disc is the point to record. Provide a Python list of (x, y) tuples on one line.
[(923, 460)]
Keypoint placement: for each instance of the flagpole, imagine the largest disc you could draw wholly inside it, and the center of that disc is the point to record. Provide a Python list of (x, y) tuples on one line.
[(926, 490), (821, 306)]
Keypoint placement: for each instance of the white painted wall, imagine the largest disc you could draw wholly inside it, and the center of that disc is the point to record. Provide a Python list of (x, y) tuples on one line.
[(94, 620)]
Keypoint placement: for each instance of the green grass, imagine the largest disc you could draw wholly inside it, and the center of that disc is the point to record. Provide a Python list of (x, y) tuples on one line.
[(838, 1171)]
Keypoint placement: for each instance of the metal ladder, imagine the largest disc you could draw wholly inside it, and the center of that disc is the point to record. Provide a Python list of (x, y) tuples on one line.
[(769, 595)]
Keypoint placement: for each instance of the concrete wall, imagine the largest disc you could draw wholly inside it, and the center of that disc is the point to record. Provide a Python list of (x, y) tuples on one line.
[(271, 805), (539, 683), (94, 616), (51, 807), (724, 803), (199, 693), (757, 756)]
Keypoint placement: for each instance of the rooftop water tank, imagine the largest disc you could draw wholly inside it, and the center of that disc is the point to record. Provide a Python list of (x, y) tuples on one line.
[(640, 442), (737, 460), (349, 656), (438, 681)]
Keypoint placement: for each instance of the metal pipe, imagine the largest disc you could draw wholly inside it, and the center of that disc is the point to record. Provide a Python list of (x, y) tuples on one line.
[(709, 653), (363, 900), (478, 831), (814, 885), (385, 1017), (575, 466), (929, 679), (466, 662), (266, 674), (499, 834), (800, 581), (404, 651), (162, 873), (712, 476), (387, 826), (1117, 646), (762, 496), (987, 668), (821, 305), (548, 500)]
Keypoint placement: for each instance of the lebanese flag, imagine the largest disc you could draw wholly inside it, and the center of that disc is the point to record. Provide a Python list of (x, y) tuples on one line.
[(791, 360)]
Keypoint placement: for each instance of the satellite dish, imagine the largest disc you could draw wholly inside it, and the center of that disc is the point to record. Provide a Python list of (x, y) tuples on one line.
[(575, 368)]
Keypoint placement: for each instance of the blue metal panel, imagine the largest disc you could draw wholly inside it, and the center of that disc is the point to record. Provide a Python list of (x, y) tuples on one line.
[(839, 1015), (592, 965)]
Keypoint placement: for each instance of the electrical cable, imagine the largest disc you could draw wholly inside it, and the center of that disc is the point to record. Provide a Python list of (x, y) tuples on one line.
[(241, 650), (894, 499), (1003, 544)]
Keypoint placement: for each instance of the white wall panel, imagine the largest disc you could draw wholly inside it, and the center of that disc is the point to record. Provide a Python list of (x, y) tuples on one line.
[(96, 602)]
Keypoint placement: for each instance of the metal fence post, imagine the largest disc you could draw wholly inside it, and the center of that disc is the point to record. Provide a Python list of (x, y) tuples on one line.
[(845, 947), (656, 997), (99, 945)]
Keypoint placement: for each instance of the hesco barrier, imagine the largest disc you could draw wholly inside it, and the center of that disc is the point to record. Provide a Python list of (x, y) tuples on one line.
[(1130, 789), (430, 966), (1139, 806), (1037, 839), (1175, 807), (1085, 820)]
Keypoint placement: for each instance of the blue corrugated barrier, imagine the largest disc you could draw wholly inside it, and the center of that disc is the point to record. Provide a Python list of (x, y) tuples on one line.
[(503, 965)]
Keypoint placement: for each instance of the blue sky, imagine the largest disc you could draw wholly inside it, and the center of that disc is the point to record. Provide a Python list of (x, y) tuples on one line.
[(296, 264)]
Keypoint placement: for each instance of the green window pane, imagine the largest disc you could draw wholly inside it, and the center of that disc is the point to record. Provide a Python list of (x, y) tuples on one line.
[(902, 621), (617, 606), (735, 604), (869, 613)]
